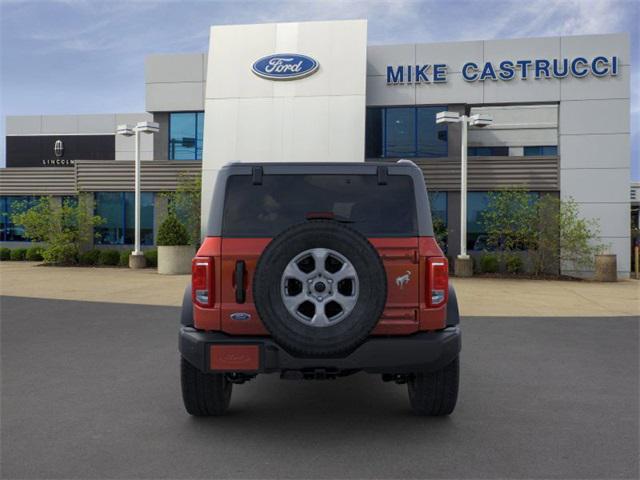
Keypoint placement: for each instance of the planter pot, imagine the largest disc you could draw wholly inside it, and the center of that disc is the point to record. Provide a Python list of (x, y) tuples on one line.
[(175, 260), (606, 268)]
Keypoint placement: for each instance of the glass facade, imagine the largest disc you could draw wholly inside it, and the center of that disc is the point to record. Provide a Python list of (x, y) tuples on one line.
[(488, 151), (9, 232), (438, 204), (439, 213), (117, 209), (477, 203), (185, 135), (399, 132), (541, 151)]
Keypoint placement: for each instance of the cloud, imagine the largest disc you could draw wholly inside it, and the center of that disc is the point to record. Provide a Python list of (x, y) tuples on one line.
[(67, 56)]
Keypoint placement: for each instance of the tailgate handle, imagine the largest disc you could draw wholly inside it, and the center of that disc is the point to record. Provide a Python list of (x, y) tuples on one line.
[(413, 256), (239, 277)]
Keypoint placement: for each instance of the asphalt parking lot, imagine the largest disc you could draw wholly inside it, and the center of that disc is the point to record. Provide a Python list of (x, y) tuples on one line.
[(91, 390)]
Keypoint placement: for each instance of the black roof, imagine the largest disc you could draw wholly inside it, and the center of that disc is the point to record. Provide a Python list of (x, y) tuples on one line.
[(403, 167)]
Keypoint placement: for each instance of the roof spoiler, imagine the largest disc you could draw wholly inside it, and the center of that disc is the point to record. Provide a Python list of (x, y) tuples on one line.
[(404, 161)]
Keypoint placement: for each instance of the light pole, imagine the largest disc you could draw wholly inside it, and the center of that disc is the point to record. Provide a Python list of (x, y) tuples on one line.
[(136, 259), (463, 264)]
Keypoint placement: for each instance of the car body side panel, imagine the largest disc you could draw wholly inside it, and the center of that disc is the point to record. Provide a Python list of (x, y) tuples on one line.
[(240, 318)]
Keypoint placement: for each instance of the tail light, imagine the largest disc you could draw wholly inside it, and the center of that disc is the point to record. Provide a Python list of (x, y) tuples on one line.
[(438, 281), (202, 281)]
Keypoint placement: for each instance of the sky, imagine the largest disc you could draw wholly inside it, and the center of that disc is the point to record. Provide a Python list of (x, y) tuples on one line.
[(87, 56)]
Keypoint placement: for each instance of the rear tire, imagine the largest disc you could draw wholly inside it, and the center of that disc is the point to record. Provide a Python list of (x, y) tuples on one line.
[(204, 394), (435, 394)]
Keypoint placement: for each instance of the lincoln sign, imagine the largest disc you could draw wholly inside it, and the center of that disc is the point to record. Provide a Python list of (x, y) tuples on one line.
[(506, 70)]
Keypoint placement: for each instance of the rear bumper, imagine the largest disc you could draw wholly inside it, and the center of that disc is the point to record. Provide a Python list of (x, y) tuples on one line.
[(424, 351)]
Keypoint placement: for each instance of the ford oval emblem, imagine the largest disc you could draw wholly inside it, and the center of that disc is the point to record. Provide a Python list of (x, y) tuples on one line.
[(240, 316), (285, 66)]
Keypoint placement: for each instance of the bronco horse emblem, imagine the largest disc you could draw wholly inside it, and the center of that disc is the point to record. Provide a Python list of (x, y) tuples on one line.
[(402, 280)]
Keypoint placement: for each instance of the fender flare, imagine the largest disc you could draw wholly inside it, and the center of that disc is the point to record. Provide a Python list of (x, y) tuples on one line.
[(453, 313), (186, 314)]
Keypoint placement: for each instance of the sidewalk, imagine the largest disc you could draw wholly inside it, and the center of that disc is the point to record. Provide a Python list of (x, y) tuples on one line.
[(476, 296)]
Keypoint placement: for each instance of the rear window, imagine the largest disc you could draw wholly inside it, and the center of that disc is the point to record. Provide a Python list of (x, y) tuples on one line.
[(285, 200)]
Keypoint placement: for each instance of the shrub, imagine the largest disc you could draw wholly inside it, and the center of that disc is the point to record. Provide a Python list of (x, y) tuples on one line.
[(64, 227), (152, 258), (61, 254), (18, 254), (489, 263), (124, 258), (172, 232), (109, 257), (5, 254), (513, 263), (90, 257), (34, 254), (185, 204)]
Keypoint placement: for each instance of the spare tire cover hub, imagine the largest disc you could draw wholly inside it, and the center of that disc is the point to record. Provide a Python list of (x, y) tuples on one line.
[(319, 287)]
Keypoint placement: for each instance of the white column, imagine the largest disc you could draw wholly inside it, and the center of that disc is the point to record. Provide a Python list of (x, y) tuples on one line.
[(136, 250), (463, 190)]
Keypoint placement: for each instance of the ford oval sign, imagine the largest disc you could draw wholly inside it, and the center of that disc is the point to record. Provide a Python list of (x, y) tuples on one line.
[(285, 66)]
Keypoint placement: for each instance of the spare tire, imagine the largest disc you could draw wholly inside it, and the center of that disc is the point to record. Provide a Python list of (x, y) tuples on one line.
[(320, 288)]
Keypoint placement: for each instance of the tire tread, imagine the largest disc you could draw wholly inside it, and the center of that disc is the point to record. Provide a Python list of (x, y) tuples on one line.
[(435, 393), (204, 394)]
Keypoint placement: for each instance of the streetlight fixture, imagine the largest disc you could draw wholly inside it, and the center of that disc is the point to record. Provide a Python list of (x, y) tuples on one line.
[(136, 259), (463, 264)]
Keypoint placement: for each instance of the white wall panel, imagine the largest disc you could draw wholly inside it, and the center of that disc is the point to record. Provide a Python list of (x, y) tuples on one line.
[(596, 185), (593, 45), (516, 137), (97, 123), (59, 124), (613, 219), (23, 125), (379, 93), (453, 54), (379, 56), (591, 87), (174, 68), (520, 91), (521, 49), (455, 90), (175, 97), (594, 117), (595, 151)]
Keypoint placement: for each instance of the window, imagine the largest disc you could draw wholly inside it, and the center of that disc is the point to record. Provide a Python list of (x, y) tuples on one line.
[(284, 200), (488, 151), (9, 232), (405, 132), (117, 209), (185, 135), (438, 204), (541, 151), (477, 203)]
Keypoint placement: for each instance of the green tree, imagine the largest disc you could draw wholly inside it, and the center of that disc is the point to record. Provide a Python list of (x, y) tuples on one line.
[(172, 232), (440, 232), (63, 227), (509, 220), (184, 203), (550, 229)]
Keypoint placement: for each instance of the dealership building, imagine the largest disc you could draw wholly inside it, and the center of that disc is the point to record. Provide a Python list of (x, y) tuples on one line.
[(560, 108)]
